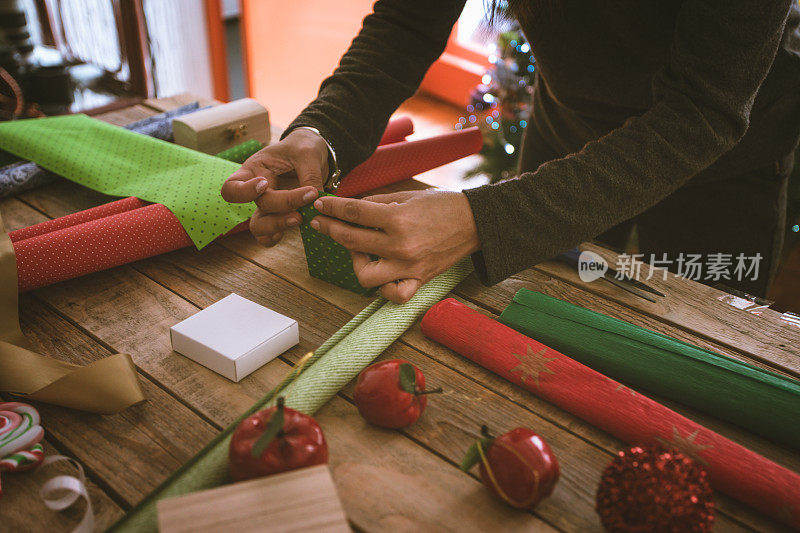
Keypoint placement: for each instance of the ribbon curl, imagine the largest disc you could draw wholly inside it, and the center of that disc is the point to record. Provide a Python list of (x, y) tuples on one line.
[(106, 386)]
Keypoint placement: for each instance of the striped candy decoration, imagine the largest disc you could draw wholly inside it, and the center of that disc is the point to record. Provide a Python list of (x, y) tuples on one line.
[(20, 437), (22, 460)]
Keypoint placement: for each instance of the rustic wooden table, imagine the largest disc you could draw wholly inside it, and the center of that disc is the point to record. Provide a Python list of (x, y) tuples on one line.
[(388, 480)]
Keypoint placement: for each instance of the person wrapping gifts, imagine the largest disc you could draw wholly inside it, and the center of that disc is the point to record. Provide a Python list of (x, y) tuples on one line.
[(681, 117)]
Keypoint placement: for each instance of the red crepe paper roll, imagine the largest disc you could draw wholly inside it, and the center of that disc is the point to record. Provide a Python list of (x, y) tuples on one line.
[(397, 130), (402, 160), (101, 211), (99, 244), (612, 407)]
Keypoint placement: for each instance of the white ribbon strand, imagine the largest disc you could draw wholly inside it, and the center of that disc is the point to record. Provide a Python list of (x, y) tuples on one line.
[(60, 492)]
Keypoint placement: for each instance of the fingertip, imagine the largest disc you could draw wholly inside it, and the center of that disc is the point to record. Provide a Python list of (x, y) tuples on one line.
[(360, 260), (389, 291), (401, 291), (309, 194), (315, 223), (262, 184), (407, 288)]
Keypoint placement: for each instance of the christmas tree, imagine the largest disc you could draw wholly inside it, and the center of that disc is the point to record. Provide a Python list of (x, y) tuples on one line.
[(500, 105)]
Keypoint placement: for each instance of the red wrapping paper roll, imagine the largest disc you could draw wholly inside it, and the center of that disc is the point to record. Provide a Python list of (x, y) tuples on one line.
[(101, 211), (612, 407), (128, 230), (397, 130), (402, 160), (99, 244)]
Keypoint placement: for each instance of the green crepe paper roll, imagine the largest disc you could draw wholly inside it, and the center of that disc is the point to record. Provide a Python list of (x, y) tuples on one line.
[(119, 162), (333, 365), (240, 152), (764, 402), (327, 259)]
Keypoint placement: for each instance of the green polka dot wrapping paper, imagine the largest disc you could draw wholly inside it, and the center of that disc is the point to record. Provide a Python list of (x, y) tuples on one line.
[(119, 162), (241, 152), (327, 259)]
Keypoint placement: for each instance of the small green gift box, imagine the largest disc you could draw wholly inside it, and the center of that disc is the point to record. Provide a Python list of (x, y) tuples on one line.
[(327, 259)]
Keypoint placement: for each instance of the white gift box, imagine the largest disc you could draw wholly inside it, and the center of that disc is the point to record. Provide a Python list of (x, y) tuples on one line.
[(234, 336)]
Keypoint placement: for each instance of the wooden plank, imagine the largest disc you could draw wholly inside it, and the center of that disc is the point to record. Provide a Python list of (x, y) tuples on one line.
[(200, 292), (171, 102), (133, 450), (21, 508), (63, 197), (116, 293), (497, 298), (283, 260), (204, 278), (224, 400), (126, 115), (131, 313), (695, 307), (302, 500)]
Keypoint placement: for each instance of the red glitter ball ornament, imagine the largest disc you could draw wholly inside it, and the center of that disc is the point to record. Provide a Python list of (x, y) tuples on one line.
[(651, 488)]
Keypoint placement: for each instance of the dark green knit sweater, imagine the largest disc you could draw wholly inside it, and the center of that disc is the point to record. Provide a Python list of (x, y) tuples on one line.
[(633, 99)]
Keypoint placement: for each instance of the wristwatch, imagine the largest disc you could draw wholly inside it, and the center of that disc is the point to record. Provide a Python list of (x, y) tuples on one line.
[(334, 177)]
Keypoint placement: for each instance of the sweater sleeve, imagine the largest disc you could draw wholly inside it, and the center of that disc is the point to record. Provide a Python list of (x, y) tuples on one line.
[(721, 52), (383, 67)]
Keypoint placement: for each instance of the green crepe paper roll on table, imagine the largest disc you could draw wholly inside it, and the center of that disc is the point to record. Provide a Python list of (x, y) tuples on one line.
[(327, 259), (240, 152), (334, 364), (119, 162), (764, 402)]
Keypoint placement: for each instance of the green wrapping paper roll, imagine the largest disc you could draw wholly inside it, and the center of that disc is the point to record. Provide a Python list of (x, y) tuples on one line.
[(334, 364), (764, 402)]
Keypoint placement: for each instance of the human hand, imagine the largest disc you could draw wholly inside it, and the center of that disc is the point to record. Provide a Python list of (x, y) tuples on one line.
[(417, 235), (279, 178)]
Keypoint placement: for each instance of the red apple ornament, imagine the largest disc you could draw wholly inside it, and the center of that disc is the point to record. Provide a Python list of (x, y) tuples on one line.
[(518, 467), (275, 440), (391, 394)]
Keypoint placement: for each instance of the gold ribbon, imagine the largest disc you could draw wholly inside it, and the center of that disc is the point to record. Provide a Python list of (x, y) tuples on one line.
[(106, 386)]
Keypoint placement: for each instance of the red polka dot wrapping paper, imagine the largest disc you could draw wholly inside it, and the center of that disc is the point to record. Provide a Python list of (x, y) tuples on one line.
[(129, 229), (122, 163), (612, 407), (101, 211), (403, 160), (98, 244)]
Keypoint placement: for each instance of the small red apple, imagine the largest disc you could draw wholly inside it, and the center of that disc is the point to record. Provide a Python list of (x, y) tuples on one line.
[(391, 394), (275, 440), (518, 467)]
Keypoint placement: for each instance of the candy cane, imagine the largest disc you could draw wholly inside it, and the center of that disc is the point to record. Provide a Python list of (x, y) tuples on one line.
[(21, 428), (20, 434), (23, 459)]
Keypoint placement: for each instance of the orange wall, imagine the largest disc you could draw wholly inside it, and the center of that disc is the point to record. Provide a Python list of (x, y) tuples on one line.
[(290, 46)]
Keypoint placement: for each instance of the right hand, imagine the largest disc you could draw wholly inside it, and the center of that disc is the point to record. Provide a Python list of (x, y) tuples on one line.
[(279, 178)]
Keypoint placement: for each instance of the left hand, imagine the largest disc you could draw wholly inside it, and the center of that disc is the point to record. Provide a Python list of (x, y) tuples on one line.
[(417, 235)]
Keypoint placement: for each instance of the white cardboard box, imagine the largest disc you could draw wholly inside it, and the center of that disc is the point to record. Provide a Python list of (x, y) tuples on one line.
[(234, 336)]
